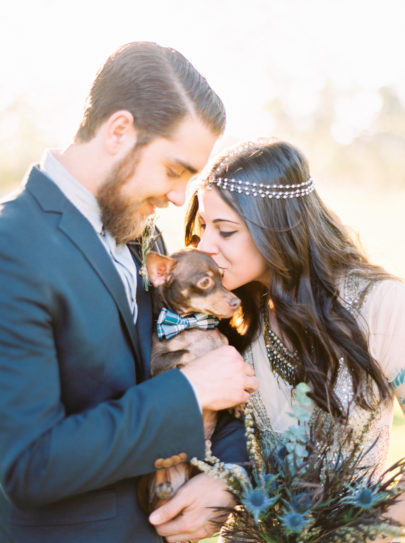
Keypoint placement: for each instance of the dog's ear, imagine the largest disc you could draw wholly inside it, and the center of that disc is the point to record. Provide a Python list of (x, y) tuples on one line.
[(159, 268)]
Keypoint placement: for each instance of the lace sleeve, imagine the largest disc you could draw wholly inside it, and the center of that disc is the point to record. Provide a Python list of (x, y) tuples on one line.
[(384, 313)]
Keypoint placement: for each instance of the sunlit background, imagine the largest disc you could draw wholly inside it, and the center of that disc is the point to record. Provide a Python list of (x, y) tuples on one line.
[(327, 75)]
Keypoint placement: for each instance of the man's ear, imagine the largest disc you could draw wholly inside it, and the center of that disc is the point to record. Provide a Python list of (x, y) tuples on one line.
[(159, 268), (119, 133)]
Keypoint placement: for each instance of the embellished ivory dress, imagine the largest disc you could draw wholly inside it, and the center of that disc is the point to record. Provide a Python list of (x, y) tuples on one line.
[(379, 308)]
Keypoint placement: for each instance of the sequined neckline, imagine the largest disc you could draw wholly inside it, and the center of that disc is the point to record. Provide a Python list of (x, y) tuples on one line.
[(282, 361)]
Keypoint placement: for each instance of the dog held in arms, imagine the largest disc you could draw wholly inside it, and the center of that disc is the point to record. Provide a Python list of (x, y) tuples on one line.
[(188, 284)]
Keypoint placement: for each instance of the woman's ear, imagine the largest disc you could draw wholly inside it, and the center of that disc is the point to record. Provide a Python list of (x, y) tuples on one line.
[(119, 133)]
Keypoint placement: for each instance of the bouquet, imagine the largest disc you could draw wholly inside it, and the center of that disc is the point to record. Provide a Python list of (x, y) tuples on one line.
[(298, 489)]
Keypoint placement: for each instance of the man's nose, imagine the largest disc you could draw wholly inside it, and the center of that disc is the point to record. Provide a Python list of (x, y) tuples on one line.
[(178, 196)]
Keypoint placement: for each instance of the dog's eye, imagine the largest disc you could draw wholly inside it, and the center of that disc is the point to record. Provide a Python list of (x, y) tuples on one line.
[(205, 282)]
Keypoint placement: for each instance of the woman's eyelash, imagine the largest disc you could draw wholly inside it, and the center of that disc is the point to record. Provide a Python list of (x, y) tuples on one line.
[(223, 234), (227, 234)]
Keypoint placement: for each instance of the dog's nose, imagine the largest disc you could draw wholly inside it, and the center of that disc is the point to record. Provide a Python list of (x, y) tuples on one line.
[(234, 303)]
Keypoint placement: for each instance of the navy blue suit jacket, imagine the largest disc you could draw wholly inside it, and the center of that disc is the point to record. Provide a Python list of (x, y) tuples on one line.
[(78, 420)]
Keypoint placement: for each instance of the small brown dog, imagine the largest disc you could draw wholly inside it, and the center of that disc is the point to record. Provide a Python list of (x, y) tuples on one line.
[(188, 282)]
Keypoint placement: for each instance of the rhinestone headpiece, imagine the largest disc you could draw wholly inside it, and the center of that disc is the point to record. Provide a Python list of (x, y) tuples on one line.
[(261, 189)]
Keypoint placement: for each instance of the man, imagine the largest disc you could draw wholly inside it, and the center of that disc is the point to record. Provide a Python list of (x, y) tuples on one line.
[(79, 418)]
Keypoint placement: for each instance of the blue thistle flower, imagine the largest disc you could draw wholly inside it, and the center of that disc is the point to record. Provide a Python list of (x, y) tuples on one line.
[(364, 497), (270, 481), (293, 521), (300, 503), (257, 502)]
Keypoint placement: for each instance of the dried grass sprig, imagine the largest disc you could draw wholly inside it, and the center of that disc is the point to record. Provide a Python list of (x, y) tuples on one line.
[(147, 241)]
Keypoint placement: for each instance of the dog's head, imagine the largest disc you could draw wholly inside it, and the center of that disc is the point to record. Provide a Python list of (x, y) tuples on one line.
[(189, 281)]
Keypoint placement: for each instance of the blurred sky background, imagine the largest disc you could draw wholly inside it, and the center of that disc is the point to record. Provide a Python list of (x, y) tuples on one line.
[(327, 75)]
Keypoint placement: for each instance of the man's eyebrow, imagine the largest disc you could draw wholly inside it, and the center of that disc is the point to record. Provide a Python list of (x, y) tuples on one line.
[(185, 165)]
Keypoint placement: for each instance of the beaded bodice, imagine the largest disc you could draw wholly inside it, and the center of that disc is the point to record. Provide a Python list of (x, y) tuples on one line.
[(356, 289), (281, 360)]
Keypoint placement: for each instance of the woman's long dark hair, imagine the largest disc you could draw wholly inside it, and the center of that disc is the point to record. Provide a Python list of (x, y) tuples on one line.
[(308, 252)]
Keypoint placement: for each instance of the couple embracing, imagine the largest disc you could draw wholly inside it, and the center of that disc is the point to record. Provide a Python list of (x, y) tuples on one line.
[(80, 418)]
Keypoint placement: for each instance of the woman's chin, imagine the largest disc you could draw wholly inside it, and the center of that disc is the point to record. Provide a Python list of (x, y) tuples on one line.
[(230, 285)]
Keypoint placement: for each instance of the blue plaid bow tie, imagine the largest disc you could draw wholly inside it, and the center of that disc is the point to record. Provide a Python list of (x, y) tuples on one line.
[(169, 324)]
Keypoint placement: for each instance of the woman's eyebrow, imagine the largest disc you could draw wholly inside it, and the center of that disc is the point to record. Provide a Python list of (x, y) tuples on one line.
[(225, 220)]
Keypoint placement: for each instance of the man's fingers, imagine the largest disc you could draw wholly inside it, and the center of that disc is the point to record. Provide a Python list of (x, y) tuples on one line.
[(173, 531), (191, 519), (166, 512), (178, 530), (252, 384), (187, 538)]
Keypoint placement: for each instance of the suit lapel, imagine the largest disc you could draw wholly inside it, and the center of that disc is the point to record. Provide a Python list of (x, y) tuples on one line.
[(144, 325), (76, 227)]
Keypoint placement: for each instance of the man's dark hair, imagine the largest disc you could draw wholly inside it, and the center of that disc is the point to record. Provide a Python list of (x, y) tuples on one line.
[(157, 85)]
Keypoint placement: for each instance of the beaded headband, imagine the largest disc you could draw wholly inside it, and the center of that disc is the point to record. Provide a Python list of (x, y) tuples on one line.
[(261, 189)]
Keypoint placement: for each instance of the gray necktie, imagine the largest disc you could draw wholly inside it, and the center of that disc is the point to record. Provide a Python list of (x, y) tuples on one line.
[(122, 260)]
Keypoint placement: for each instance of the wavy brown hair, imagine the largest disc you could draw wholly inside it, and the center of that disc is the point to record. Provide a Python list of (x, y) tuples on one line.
[(309, 252)]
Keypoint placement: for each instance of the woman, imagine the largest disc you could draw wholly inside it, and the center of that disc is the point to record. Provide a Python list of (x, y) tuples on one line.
[(313, 308)]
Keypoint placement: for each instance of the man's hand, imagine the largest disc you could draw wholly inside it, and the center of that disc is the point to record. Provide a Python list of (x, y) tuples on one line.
[(381, 539), (186, 517), (221, 378)]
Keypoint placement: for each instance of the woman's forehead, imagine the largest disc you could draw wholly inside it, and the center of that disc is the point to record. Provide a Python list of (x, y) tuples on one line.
[(210, 201)]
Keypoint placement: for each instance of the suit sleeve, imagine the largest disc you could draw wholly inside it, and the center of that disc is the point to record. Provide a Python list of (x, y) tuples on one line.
[(228, 440), (46, 454)]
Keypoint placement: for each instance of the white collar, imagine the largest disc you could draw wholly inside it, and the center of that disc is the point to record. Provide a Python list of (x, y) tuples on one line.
[(77, 193)]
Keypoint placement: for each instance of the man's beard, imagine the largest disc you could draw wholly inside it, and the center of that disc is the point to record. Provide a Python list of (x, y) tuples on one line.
[(119, 214)]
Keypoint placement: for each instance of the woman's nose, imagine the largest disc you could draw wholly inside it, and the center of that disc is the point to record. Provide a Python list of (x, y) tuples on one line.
[(206, 244)]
